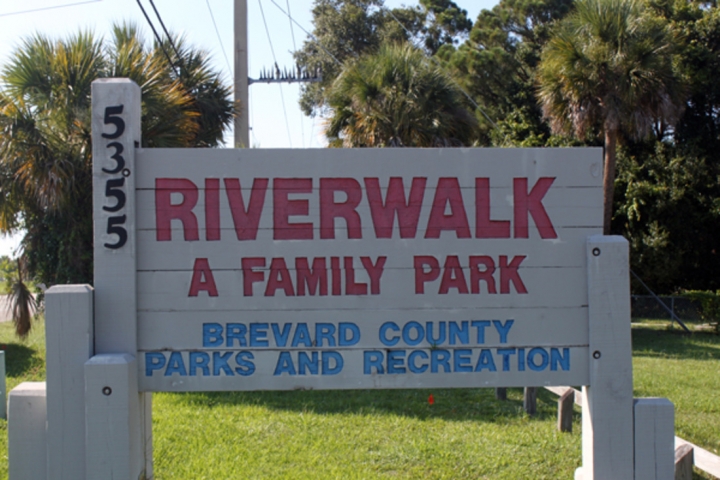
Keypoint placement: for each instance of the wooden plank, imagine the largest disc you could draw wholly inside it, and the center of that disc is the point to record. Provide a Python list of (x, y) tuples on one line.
[(607, 427), (559, 391), (704, 460), (69, 344), (684, 462), (654, 425), (530, 400), (565, 410)]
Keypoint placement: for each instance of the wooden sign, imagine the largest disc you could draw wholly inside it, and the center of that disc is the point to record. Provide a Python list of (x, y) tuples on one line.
[(364, 268)]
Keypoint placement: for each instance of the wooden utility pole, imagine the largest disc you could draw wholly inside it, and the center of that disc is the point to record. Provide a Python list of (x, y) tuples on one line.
[(242, 123)]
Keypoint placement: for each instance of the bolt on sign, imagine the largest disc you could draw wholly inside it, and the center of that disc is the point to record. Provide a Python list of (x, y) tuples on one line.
[(358, 268)]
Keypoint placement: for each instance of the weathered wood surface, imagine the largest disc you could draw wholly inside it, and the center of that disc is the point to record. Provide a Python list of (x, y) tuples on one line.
[(560, 391), (565, 410), (607, 420), (501, 393), (684, 462), (654, 427), (27, 435), (704, 460), (530, 400)]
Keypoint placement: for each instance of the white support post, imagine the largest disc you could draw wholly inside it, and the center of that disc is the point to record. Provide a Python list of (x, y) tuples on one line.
[(607, 418), (68, 345), (114, 443), (654, 439), (27, 440), (3, 387), (116, 133)]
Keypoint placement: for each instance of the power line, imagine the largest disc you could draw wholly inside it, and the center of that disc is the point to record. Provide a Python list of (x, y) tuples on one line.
[(167, 34), (159, 40), (307, 33), (292, 34), (217, 32), (277, 68), (48, 8)]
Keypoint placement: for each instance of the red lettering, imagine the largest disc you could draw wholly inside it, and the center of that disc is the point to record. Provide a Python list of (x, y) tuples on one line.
[(279, 277), (509, 273), (448, 193), (166, 211), (374, 272), (531, 203), (352, 288), (212, 209), (202, 279), (246, 221), (421, 275), (250, 276), (311, 278), (283, 208), (383, 213), (329, 210), (484, 227), (453, 276), (335, 271), (486, 275)]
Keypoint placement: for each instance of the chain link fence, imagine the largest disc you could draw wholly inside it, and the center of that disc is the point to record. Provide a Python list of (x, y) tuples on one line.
[(646, 306)]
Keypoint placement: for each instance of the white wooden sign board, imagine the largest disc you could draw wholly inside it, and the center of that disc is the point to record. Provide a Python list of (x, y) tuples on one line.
[(394, 268)]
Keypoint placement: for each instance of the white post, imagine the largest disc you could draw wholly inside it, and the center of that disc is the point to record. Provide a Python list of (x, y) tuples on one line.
[(116, 132), (113, 415), (68, 345), (654, 439), (27, 441), (242, 123), (3, 387), (607, 419)]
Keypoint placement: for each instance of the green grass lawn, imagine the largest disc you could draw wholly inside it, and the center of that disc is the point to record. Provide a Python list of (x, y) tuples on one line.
[(396, 433)]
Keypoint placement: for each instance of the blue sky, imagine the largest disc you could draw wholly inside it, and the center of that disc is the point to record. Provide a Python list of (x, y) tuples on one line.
[(192, 18)]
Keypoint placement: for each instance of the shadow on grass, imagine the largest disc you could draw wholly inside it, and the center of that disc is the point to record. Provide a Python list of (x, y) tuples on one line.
[(663, 343), (449, 404), (20, 359)]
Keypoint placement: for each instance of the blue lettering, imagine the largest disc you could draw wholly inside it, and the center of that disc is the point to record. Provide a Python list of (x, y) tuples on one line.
[(331, 355), (503, 330), (281, 336), (153, 361), (305, 361), (396, 361), (302, 334), (485, 361), (557, 359), (212, 335), (461, 360), (544, 359), (199, 360), (441, 333), (461, 333), (481, 325), (176, 365), (236, 331), (521, 359), (325, 331), (343, 330), (371, 359), (284, 365), (439, 358), (258, 335), (407, 338), (414, 368), (506, 352), (245, 366), (384, 339), (220, 362)]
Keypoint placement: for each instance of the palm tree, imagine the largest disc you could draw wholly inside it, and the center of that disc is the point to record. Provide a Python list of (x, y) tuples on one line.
[(45, 149), (608, 69), (395, 98)]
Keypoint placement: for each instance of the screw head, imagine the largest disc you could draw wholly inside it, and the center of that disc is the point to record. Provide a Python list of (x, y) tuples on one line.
[(126, 172), (596, 252), (597, 354), (106, 391)]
